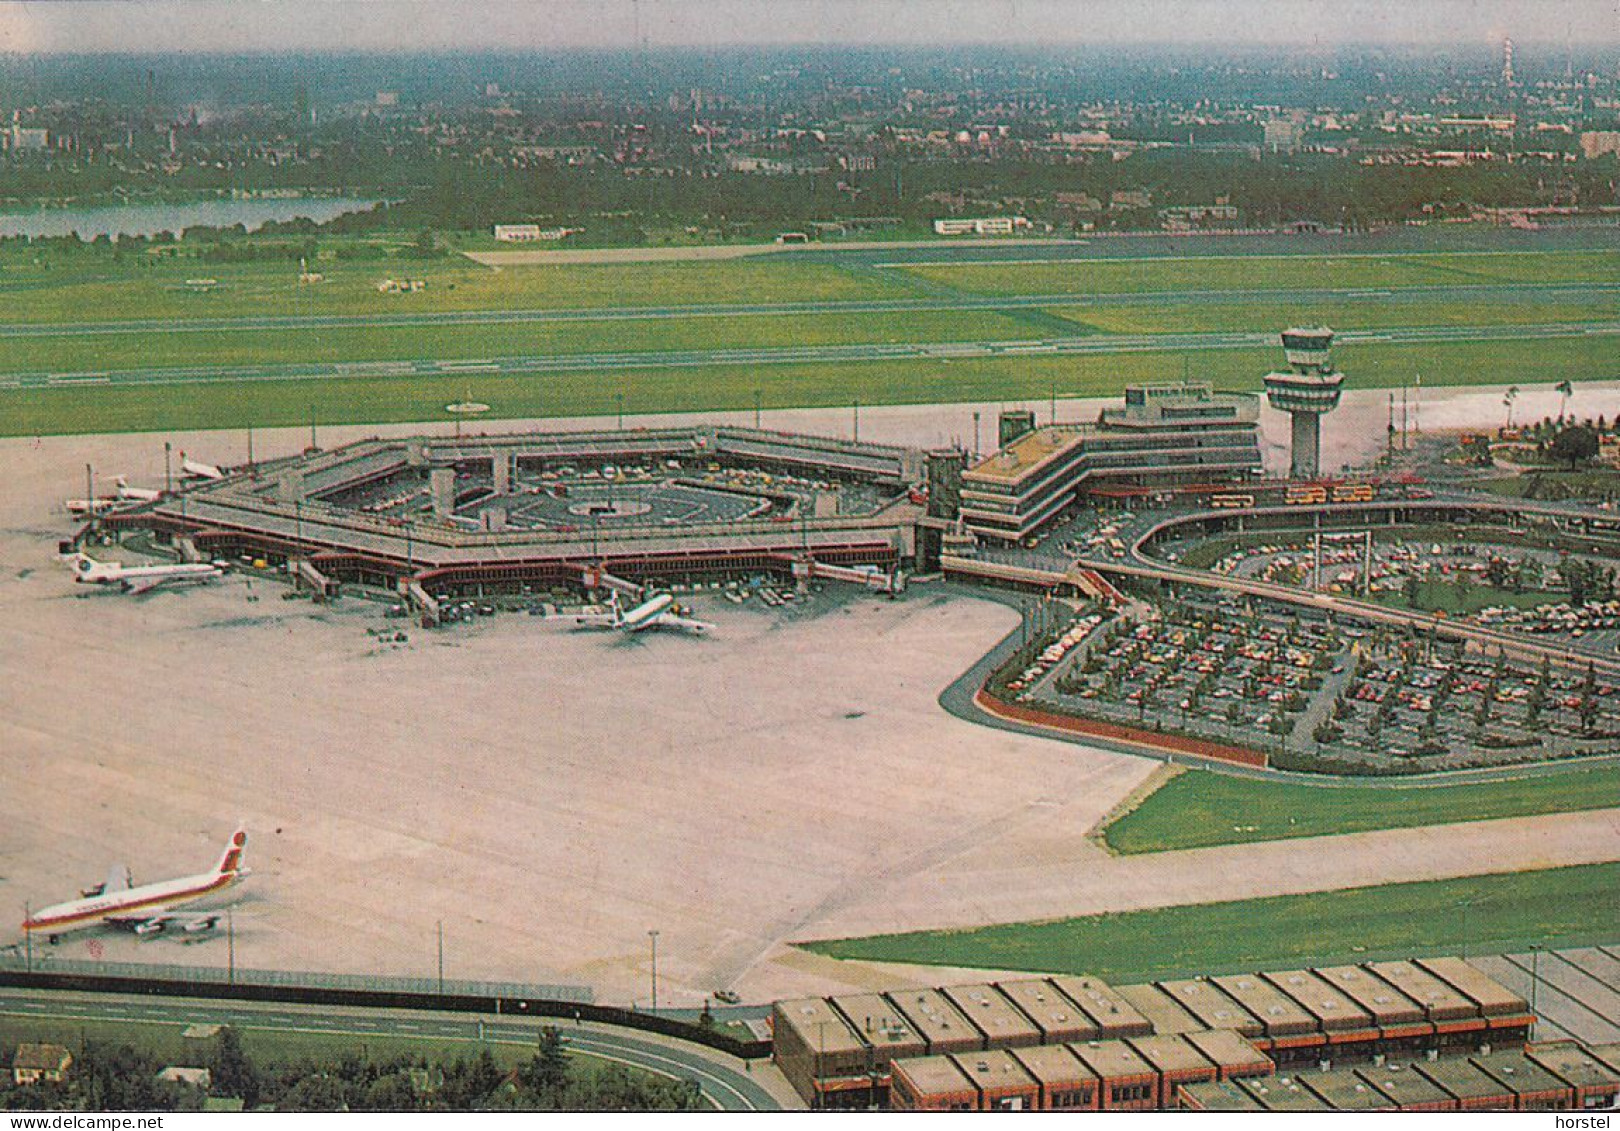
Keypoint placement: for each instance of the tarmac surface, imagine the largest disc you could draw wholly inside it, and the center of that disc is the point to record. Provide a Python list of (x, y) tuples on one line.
[(551, 797)]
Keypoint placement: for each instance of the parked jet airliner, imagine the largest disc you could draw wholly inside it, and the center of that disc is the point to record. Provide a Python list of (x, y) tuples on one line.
[(149, 908)]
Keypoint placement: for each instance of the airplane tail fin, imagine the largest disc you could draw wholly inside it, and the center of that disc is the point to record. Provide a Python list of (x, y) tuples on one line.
[(231, 859)]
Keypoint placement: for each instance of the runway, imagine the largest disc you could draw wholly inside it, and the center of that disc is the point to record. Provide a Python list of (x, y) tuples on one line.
[(726, 1086), (945, 352), (1484, 292)]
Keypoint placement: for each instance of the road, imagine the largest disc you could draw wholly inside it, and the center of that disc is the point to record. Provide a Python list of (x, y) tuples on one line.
[(725, 1081), (944, 352), (1491, 292)]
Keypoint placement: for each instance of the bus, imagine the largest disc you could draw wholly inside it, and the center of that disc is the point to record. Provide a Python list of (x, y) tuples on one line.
[(1230, 501), (1300, 494), (1353, 493)]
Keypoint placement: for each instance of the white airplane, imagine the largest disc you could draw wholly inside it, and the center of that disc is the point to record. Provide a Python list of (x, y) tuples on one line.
[(149, 908), (656, 612), (140, 579), (137, 494), (78, 508), (199, 470)]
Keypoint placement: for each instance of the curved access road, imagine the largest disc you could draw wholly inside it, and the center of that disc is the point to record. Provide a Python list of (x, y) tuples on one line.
[(727, 1083)]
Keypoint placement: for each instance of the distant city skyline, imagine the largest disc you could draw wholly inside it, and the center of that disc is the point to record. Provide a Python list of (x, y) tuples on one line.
[(168, 26)]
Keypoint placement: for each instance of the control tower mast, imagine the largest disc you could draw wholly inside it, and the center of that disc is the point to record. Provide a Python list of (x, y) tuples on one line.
[(1309, 389)]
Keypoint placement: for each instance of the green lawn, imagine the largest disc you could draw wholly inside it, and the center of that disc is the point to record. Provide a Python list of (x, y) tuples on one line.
[(1200, 808), (1480, 914), (147, 350), (268, 1048), (1274, 272), (385, 399), (92, 288), (1341, 314), (1444, 596)]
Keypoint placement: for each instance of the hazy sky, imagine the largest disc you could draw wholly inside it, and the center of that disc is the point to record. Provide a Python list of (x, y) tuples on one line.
[(382, 25)]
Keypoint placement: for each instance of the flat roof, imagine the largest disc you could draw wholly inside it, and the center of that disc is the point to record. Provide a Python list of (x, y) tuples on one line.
[(1441, 1002), (1461, 1078), (1027, 453), (1219, 1095), (819, 1026), (1280, 1093), (1518, 1072), (1115, 1016), (1279, 1013), (1054, 1066), (1213, 1006), (994, 1071), (874, 1017), (1386, 1004), (1112, 1060), (932, 1015), (1343, 1090), (1053, 1013), (1168, 1052), (1160, 1009), (933, 1075), (1230, 1050), (995, 1016), (1608, 1053), (1401, 1085), (1491, 996), (1332, 1009), (1570, 1061)]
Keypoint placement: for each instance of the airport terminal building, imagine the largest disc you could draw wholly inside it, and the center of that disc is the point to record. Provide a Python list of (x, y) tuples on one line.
[(1162, 437)]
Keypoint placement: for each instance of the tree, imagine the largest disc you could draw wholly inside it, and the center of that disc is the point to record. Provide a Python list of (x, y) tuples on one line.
[(547, 1073), (232, 1072), (316, 1093), (1574, 445)]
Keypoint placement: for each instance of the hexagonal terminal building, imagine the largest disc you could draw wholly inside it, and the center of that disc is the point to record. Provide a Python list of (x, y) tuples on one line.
[(1308, 389)]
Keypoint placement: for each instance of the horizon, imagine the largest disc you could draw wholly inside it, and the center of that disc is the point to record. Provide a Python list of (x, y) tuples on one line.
[(396, 27)]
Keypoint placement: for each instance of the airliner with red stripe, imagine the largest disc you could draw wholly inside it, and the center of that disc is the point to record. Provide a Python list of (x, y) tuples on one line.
[(149, 908)]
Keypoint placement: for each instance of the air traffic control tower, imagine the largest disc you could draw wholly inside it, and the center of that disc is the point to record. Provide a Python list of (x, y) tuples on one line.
[(1309, 388)]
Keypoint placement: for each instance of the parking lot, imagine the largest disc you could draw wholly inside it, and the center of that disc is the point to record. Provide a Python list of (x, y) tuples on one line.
[(1314, 694)]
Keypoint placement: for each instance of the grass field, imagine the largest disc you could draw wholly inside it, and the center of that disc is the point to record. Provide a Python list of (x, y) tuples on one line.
[(92, 286), (1446, 597), (1199, 808), (268, 1048), (387, 398), (1270, 272), (1479, 914)]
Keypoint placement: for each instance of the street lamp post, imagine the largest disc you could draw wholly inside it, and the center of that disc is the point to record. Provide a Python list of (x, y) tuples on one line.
[(653, 937), (230, 946), (441, 957), (1535, 977)]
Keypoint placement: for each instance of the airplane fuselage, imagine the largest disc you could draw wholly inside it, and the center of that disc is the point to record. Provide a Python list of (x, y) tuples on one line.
[(132, 902)]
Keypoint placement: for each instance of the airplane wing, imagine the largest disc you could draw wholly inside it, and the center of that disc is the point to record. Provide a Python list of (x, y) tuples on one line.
[(141, 585), (191, 922), (682, 624), (118, 879)]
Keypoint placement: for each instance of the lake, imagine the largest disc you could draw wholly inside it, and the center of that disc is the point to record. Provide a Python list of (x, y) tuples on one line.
[(147, 219)]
